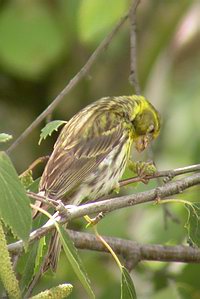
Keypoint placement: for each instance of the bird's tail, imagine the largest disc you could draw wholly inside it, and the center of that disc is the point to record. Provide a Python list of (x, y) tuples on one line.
[(52, 257)]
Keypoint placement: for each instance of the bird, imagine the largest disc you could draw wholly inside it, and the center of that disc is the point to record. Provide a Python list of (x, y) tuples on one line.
[(92, 151)]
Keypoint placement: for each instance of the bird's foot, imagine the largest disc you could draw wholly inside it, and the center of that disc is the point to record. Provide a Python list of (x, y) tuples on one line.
[(64, 209), (116, 189), (142, 169)]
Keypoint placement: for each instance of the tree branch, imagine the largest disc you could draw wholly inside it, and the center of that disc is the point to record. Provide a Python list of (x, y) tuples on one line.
[(133, 78), (130, 249), (74, 81), (127, 248), (167, 174), (109, 205)]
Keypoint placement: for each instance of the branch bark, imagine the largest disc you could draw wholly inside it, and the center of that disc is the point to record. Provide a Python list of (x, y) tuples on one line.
[(167, 174), (109, 205), (136, 251)]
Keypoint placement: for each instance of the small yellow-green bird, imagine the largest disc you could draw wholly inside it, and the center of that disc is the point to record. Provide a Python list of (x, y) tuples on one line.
[(92, 151)]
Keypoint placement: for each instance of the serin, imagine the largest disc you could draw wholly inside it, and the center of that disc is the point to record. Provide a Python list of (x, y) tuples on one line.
[(92, 151)]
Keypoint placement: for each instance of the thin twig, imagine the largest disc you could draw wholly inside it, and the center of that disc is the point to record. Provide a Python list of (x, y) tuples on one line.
[(50, 202), (109, 205), (167, 174), (73, 82), (35, 163), (133, 78)]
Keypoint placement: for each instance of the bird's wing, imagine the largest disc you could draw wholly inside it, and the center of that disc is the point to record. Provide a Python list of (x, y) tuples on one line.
[(77, 153)]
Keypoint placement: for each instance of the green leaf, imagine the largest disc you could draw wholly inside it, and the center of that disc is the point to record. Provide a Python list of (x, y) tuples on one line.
[(28, 269), (15, 208), (50, 128), (31, 39), (96, 18), (193, 223), (127, 286), (5, 137), (75, 261), (34, 186), (29, 264), (40, 254)]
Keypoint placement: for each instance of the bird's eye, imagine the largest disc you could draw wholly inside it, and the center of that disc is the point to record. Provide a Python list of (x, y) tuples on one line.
[(151, 129)]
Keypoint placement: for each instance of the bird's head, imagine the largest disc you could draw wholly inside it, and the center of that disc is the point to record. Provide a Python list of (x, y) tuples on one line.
[(146, 124)]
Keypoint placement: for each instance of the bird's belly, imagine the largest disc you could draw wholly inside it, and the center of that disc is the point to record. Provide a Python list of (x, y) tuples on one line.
[(105, 178)]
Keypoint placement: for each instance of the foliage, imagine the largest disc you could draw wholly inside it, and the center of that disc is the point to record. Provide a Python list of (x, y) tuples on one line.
[(24, 29), (5, 137), (193, 224), (127, 287), (14, 203), (92, 26), (75, 261), (49, 128)]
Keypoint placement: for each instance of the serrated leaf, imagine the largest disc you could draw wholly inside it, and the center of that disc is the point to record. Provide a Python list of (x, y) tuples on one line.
[(127, 286), (95, 18), (75, 261), (15, 208), (50, 128), (193, 222), (5, 137)]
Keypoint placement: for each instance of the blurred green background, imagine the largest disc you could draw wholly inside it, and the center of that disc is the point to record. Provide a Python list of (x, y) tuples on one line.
[(43, 44)]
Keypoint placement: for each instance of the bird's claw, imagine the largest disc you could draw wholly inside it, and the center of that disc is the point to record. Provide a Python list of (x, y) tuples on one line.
[(116, 188), (63, 209), (143, 169), (168, 178)]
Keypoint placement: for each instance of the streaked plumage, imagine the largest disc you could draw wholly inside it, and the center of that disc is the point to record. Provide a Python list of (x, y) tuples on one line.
[(93, 148)]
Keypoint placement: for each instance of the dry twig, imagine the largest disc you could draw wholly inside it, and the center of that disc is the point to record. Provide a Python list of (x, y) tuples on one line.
[(133, 78)]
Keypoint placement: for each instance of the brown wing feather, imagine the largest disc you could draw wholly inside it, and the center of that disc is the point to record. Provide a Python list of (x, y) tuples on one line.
[(77, 154)]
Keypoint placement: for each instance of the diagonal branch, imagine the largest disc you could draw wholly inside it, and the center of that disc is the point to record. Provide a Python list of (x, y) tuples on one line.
[(76, 79), (109, 205)]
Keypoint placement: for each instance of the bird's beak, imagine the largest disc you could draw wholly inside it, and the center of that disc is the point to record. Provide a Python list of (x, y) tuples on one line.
[(142, 142)]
